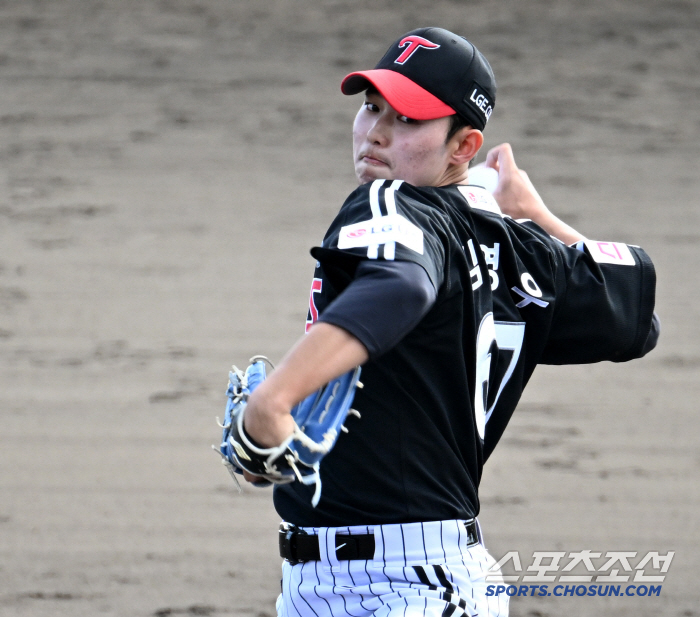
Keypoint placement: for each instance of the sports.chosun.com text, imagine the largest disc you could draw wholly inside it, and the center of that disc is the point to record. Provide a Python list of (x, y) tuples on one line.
[(574, 590)]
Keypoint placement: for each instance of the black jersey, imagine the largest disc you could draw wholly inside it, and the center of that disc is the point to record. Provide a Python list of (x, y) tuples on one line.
[(435, 405)]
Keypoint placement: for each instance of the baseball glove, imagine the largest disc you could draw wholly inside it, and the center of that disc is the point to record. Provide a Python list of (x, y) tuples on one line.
[(318, 420)]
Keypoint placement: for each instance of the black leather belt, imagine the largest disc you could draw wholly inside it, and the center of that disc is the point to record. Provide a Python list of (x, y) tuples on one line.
[(297, 546)]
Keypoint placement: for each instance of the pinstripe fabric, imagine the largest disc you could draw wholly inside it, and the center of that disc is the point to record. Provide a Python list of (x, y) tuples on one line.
[(419, 569)]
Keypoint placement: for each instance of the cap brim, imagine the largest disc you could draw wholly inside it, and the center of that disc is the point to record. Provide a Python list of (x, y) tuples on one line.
[(404, 95)]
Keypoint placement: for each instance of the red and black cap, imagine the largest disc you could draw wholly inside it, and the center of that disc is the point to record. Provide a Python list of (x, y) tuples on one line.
[(431, 73)]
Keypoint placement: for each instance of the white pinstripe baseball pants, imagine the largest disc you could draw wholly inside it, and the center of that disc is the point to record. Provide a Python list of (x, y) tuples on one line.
[(421, 569)]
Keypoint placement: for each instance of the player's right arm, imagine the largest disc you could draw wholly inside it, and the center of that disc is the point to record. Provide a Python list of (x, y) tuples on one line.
[(606, 312), (518, 198)]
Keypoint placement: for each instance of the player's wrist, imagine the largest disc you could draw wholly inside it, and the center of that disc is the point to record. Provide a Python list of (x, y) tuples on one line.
[(267, 420), (558, 229), (522, 205)]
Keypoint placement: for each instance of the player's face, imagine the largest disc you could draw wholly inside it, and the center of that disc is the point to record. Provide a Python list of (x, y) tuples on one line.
[(387, 145)]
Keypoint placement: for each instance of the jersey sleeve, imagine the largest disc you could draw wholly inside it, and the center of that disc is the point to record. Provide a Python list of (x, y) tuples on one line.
[(362, 308), (386, 220), (605, 304)]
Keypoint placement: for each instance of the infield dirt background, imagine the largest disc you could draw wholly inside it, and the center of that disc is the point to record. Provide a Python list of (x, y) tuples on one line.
[(165, 167)]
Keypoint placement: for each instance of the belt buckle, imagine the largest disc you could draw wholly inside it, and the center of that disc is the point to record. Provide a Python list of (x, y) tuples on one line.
[(287, 544)]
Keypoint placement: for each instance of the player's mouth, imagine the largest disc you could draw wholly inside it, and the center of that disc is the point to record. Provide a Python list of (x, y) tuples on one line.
[(370, 160)]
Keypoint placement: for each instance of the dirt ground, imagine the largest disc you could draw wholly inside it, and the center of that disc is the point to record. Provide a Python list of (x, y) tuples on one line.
[(165, 167)]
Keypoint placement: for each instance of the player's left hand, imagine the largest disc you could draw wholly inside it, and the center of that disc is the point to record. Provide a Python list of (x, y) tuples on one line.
[(268, 430), (308, 433), (255, 480)]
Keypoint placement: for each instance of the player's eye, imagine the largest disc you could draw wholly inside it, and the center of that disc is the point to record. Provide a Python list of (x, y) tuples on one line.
[(371, 106), (406, 120)]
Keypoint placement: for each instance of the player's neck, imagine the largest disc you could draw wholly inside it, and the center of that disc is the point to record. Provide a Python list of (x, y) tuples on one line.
[(455, 174)]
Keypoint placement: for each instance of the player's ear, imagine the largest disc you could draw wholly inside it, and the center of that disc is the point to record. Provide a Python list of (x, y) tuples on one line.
[(466, 143)]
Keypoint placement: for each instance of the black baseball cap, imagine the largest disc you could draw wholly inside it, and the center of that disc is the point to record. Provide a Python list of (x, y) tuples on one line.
[(431, 73)]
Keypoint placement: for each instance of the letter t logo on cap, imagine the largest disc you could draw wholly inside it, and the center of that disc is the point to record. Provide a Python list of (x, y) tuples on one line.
[(412, 43)]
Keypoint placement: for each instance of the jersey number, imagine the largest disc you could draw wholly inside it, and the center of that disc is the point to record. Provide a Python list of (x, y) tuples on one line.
[(506, 336), (316, 286)]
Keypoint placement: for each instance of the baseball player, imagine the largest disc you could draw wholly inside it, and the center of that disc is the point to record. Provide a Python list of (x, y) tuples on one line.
[(448, 296)]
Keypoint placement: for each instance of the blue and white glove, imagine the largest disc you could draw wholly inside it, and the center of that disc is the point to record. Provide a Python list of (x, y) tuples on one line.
[(318, 420)]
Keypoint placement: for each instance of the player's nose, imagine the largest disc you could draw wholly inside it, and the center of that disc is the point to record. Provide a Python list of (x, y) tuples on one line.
[(379, 132)]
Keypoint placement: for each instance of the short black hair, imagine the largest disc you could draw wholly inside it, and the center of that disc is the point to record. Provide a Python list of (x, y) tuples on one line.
[(456, 123)]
